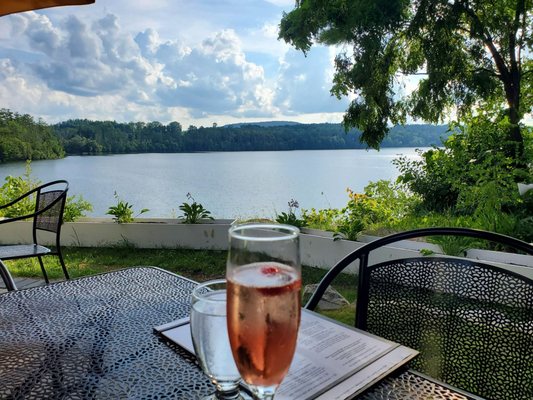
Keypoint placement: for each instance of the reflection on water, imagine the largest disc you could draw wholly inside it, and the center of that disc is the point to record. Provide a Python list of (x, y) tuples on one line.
[(229, 184)]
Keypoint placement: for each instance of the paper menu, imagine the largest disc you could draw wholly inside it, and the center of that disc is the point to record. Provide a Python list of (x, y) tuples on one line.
[(331, 360), (326, 354), (372, 373)]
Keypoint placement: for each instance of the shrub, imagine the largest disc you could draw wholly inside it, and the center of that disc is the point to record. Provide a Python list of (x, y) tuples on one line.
[(193, 213), (325, 219), (75, 208), (473, 175), (122, 212), (290, 218)]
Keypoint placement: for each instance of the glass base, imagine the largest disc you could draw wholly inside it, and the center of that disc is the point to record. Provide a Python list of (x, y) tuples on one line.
[(263, 392), (223, 396)]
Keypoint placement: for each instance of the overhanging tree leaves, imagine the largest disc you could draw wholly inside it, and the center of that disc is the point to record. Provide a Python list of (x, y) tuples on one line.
[(470, 55)]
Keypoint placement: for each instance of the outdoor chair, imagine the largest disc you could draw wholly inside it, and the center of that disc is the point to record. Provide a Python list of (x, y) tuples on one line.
[(471, 320), (50, 199)]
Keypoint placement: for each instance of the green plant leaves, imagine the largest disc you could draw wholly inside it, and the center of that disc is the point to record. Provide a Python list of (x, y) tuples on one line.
[(122, 212), (193, 213)]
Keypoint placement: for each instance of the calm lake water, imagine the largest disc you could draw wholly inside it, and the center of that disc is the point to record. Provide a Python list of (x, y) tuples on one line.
[(229, 184)]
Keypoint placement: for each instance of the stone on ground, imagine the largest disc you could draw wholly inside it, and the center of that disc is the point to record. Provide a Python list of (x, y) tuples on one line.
[(331, 299)]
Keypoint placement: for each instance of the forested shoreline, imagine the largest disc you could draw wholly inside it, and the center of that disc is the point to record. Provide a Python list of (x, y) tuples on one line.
[(24, 138)]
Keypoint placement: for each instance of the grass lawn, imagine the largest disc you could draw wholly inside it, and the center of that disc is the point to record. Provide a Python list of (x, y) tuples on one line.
[(199, 265)]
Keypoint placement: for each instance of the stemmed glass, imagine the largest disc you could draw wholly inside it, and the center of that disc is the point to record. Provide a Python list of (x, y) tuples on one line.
[(210, 339), (264, 281)]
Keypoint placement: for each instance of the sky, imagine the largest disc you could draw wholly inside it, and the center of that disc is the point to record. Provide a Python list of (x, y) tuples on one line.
[(197, 62)]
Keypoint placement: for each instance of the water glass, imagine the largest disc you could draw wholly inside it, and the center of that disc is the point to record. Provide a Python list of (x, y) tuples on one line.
[(264, 282), (210, 338)]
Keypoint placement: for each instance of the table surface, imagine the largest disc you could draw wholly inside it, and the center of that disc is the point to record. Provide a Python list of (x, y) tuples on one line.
[(92, 338)]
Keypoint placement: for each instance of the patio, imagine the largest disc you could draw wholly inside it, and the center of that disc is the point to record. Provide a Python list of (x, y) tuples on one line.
[(181, 260)]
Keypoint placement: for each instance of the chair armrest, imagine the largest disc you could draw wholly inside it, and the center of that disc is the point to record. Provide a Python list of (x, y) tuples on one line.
[(34, 214), (8, 220), (21, 197)]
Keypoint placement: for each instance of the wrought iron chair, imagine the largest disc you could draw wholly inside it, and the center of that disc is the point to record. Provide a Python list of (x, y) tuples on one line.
[(472, 321), (50, 199)]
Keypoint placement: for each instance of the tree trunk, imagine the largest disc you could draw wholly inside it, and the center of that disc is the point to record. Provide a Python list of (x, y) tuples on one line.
[(515, 147)]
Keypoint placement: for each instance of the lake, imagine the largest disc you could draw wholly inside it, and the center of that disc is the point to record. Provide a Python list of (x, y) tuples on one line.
[(229, 184)]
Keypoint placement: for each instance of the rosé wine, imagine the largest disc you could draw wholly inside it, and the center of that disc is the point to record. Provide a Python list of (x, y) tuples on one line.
[(263, 318)]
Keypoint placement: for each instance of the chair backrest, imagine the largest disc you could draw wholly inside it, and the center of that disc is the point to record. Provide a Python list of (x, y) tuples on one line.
[(471, 321), (50, 205)]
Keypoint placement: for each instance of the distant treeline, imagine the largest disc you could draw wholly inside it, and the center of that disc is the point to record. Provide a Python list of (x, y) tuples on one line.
[(23, 138), (96, 137)]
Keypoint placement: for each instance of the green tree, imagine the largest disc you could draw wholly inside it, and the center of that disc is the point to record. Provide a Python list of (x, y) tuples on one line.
[(471, 55), (22, 138)]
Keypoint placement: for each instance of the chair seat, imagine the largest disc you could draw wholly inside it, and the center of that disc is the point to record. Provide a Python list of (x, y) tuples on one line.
[(11, 252)]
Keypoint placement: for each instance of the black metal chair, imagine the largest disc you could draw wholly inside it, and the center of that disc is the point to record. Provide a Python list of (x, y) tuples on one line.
[(50, 199), (472, 321)]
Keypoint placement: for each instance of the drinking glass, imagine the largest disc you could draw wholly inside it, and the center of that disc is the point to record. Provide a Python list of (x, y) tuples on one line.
[(264, 281), (210, 338)]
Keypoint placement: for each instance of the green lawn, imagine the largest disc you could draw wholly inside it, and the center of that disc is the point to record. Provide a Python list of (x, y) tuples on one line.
[(199, 265)]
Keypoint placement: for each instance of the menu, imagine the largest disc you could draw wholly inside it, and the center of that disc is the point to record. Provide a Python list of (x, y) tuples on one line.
[(331, 360)]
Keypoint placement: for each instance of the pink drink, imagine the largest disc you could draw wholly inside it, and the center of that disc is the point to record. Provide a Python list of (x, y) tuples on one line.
[(263, 318)]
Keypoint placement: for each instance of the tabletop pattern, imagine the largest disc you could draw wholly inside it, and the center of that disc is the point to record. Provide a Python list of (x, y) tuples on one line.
[(89, 338), (92, 338), (410, 386)]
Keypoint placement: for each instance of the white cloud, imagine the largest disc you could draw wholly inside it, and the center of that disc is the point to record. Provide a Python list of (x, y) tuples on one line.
[(100, 59), (107, 63), (304, 83), (283, 3)]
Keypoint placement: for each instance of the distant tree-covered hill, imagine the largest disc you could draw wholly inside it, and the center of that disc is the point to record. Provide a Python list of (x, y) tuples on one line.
[(266, 123), (23, 138), (95, 137)]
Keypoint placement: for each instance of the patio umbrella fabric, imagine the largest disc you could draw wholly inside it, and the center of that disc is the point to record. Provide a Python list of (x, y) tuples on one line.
[(14, 6)]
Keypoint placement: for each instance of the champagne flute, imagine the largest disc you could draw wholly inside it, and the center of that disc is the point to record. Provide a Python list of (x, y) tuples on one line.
[(210, 339), (264, 281)]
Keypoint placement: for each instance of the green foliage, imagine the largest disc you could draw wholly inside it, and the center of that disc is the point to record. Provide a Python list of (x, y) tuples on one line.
[(349, 228), (357, 214), (382, 204), (469, 55), (473, 179), (14, 187), (75, 208), (324, 219), (22, 138), (290, 218), (122, 212), (95, 137), (193, 213), (456, 245), (392, 201)]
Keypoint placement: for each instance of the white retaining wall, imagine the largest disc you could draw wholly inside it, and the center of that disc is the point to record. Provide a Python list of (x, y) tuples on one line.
[(317, 247)]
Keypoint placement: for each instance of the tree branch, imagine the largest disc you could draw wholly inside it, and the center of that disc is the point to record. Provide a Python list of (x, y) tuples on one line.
[(490, 71), (487, 40)]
